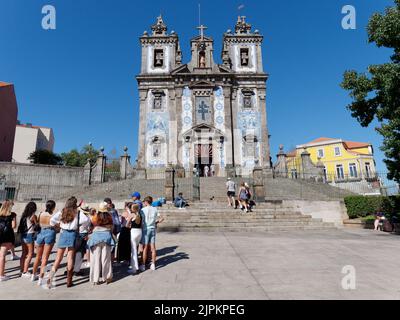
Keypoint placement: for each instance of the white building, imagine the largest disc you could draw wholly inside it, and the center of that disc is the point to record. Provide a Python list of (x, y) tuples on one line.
[(29, 138)]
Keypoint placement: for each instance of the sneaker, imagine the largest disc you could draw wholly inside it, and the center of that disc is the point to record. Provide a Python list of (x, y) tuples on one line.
[(132, 271), (34, 277), (40, 282), (4, 278), (26, 275), (142, 267), (153, 266), (85, 265), (14, 257)]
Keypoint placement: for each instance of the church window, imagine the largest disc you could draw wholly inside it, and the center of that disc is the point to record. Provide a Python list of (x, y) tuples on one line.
[(250, 149), (157, 102), (247, 101), (250, 146), (247, 98), (158, 99), (156, 147), (244, 57), (158, 58)]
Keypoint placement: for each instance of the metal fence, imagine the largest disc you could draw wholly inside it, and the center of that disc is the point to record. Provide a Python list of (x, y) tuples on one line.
[(112, 170), (372, 184)]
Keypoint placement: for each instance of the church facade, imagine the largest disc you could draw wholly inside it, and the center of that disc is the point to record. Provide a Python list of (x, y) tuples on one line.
[(203, 116)]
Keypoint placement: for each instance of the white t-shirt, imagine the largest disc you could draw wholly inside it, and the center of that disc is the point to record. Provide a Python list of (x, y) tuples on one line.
[(150, 215), (84, 221), (231, 186)]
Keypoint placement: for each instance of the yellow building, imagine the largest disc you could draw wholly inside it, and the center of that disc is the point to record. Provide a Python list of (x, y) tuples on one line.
[(342, 160)]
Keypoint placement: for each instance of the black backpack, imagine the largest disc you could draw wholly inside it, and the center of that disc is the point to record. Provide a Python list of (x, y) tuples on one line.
[(3, 226), (23, 226)]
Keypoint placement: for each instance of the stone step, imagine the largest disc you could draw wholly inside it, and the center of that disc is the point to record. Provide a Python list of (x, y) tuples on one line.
[(246, 229), (226, 211), (238, 218)]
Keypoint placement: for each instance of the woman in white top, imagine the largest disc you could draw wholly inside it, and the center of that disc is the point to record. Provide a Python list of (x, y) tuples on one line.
[(67, 219)]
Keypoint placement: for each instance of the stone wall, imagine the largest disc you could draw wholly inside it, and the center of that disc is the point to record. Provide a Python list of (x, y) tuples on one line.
[(40, 182), (328, 211)]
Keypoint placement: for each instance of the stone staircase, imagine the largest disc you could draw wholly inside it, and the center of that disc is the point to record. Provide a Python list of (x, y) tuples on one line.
[(218, 217), (276, 189)]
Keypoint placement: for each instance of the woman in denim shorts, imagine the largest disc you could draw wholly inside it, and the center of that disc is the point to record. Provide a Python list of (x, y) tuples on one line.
[(26, 229), (45, 240)]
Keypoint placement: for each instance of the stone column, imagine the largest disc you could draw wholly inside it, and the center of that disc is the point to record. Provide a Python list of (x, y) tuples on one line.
[(169, 182), (87, 173), (258, 184), (142, 128), (229, 118), (265, 148), (320, 170), (124, 163), (99, 168), (173, 127), (280, 167)]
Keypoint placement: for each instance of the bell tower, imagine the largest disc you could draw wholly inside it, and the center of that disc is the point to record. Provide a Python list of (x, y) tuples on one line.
[(160, 51), (202, 52), (243, 48)]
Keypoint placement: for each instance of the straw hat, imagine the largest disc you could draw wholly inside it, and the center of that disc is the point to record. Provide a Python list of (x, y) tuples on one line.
[(103, 207), (85, 208)]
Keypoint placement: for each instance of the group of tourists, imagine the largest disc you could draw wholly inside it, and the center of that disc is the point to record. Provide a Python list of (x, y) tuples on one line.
[(243, 199), (101, 236), (208, 171)]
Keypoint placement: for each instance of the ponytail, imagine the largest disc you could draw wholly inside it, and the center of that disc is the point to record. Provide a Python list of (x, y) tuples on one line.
[(50, 206)]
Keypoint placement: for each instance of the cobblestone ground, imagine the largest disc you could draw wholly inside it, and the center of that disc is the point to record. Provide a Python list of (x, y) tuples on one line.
[(291, 265)]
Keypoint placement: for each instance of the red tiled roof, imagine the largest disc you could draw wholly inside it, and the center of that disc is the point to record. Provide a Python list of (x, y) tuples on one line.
[(321, 140), (355, 145), (4, 84), (291, 153)]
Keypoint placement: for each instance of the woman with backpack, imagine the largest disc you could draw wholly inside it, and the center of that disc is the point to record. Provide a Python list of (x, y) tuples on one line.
[(27, 231), (45, 240), (8, 222), (69, 220), (243, 197)]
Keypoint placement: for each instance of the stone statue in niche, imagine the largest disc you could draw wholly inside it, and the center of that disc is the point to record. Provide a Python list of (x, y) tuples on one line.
[(202, 60)]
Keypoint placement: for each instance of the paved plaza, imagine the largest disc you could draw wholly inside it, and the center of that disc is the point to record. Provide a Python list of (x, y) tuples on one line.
[(285, 265)]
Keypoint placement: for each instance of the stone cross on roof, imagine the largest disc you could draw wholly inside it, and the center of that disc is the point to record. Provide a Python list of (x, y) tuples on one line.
[(202, 28), (159, 28), (242, 26)]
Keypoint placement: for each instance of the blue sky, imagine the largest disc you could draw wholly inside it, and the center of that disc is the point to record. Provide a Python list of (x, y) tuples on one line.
[(79, 78)]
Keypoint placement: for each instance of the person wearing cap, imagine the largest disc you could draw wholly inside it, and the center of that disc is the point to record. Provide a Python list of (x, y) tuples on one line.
[(136, 199), (231, 190), (151, 218), (100, 243), (83, 234)]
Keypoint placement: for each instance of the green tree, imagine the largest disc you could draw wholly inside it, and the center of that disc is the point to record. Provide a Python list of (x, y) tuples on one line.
[(75, 158), (376, 93), (45, 157)]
